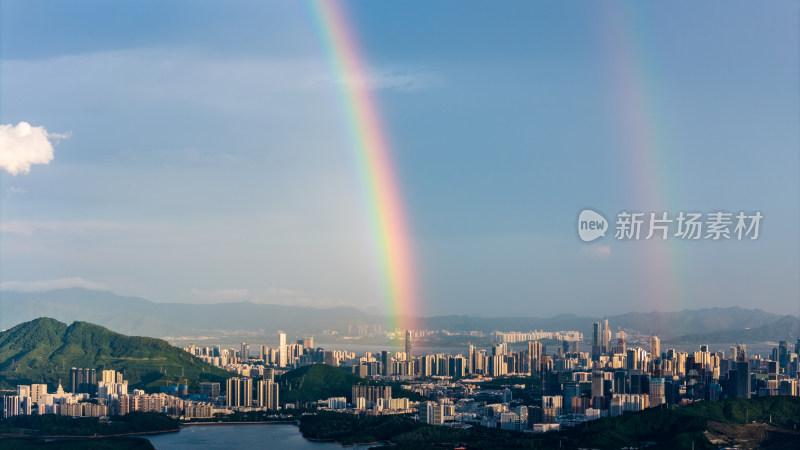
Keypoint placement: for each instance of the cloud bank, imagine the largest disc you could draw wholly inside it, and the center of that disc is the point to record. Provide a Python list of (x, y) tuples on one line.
[(23, 145), (51, 285), (596, 251)]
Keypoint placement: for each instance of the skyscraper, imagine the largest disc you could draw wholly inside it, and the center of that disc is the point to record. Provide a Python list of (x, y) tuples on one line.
[(606, 336), (471, 359), (783, 357), (267, 394), (239, 392), (741, 376), (282, 356), (597, 337), (741, 379), (534, 356), (598, 379), (386, 363), (657, 392), (84, 381), (655, 348), (409, 356)]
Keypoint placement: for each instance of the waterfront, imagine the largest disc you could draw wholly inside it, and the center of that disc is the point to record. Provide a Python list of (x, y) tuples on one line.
[(283, 436)]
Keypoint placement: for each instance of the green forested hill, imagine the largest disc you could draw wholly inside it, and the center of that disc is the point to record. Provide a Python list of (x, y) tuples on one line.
[(43, 351), (320, 381), (316, 382), (689, 427)]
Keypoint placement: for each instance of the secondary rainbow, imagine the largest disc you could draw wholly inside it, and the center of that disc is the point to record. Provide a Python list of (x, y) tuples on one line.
[(375, 162), (644, 144)]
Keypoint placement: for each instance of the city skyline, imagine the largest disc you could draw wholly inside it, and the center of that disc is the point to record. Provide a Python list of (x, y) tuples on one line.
[(564, 385), (204, 158)]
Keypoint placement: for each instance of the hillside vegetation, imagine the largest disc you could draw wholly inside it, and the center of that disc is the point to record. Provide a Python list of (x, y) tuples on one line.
[(43, 351), (320, 381), (656, 428)]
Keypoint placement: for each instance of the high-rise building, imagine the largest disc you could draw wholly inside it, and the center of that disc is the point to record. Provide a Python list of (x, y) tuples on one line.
[(456, 366), (282, 355), (598, 380), (657, 396), (329, 358), (111, 376), (244, 353), (84, 381), (268, 394), (264, 351), (597, 337), (37, 390), (431, 413), (497, 365), (370, 393), (783, 357), (10, 406), (596, 334), (741, 352), (409, 355), (239, 392), (534, 356), (209, 389), (741, 379), (655, 348), (606, 336), (387, 368)]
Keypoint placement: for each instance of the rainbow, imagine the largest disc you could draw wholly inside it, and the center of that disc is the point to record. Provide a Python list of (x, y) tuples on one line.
[(643, 151), (374, 157)]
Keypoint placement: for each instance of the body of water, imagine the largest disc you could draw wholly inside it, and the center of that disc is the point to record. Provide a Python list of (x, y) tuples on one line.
[(277, 436)]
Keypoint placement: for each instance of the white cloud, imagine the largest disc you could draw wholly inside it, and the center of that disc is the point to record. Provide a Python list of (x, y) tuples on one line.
[(289, 297), (271, 296), (390, 79), (50, 285), (12, 190), (21, 228), (29, 228), (220, 295), (23, 145), (596, 251)]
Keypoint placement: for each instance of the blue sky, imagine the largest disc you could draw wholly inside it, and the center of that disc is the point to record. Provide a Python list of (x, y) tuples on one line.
[(208, 158)]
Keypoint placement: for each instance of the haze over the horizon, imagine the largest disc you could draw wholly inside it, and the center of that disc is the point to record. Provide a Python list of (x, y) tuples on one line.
[(204, 157)]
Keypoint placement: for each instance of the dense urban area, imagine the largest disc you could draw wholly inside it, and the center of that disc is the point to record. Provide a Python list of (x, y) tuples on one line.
[(526, 381)]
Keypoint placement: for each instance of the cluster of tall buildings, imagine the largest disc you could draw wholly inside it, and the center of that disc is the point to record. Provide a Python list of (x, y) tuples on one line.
[(97, 398), (239, 393), (601, 339), (280, 355), (498, 360)]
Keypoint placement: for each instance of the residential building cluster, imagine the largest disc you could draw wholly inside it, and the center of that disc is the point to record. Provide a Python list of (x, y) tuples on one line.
[(91, 397)]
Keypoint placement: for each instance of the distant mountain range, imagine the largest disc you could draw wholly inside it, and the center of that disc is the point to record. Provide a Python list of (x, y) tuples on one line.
[(786, 328), (133, 315), (43, 351)]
